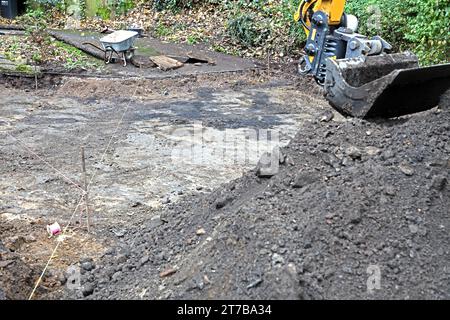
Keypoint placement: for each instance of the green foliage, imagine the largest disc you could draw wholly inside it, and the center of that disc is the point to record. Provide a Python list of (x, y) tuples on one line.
[(265, 23), (37, 57), (104, 12), (194, 39), (115, 7), (123, 6), (254, 25), (45, 4), (34, 18), (24, 68), (419, 26), (162, 30), (244, 28), (74, 58), (174, 5)]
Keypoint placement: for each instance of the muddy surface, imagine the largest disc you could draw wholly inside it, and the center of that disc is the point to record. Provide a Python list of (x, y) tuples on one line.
[(25, 248), (148, 144), (147, 47), (180, 207), (197, 60), (358, 210)]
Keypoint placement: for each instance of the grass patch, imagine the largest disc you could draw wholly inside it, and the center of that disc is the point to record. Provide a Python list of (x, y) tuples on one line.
[(146, 51), (194, 39), (24, 68), (29, 51), (74, 58), (163, 31)]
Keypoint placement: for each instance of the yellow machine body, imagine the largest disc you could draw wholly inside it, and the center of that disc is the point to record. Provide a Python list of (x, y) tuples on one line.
[(361, 76), (333, 8)]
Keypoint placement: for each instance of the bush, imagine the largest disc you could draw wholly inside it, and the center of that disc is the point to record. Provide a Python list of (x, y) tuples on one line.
[(175, 5), (114, 8), (44, 5), (244, 29), (265, 23), (419, 26)]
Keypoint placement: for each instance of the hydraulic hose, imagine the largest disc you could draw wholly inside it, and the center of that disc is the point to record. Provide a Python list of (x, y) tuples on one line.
[(301, 15), (302, 20)]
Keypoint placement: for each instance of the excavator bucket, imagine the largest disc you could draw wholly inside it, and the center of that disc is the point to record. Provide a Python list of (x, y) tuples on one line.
[(384, 86)]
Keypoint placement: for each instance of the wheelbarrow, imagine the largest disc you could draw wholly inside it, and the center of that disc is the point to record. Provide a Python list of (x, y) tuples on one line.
[(118, 44)]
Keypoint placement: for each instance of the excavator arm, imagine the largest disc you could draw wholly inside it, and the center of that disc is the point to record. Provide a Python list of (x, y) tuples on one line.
[(360, 76), (333, 8), (332, 35)]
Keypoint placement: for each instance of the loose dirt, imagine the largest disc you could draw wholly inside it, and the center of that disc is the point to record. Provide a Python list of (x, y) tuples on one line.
[(358, 210), (43, 130)]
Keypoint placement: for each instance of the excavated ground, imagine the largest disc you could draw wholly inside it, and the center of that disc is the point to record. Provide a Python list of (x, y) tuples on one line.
[(354, 202), (138, 135)]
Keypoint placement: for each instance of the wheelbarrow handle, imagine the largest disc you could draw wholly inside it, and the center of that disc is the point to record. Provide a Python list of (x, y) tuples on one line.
[(93, 45)]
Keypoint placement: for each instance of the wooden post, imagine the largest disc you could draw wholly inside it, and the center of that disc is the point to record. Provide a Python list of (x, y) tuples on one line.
[(35, 78), (86, 196)]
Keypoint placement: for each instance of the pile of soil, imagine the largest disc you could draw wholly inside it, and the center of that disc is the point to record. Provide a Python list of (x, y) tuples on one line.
[(350, 197), (24, 251), (352, 200), (17, 276)]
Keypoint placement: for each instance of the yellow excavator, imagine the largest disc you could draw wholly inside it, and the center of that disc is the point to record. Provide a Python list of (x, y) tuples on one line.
[(361, 76)]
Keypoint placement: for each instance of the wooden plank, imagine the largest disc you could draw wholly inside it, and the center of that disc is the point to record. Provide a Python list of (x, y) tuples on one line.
[(166, 63)]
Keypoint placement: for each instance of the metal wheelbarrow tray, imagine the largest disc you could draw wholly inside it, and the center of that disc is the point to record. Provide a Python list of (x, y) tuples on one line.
[(119, 43)]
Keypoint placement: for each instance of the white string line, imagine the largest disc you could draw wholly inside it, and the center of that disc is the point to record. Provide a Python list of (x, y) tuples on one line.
[(112, 137), (81, 199), (23, 145), (43, 272)]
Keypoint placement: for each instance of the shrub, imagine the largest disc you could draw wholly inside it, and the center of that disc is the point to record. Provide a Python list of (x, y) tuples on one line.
[(174, 5), (265, 23), (419, 26), (244, 29)]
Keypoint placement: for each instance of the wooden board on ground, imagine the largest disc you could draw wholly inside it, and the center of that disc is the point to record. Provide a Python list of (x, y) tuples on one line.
[(166, 63)]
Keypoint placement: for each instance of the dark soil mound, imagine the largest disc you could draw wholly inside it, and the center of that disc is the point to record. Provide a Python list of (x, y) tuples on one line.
[(352, 199)]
